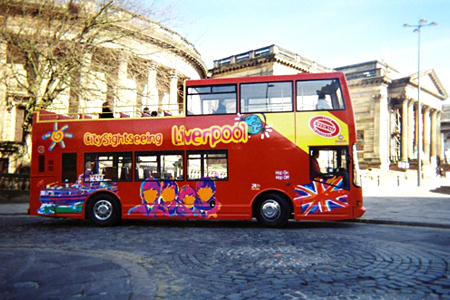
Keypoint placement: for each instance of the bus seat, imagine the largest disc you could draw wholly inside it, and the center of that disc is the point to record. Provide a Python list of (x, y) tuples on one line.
[(111, 173), (64, 117), (125, 174), (46, 115), (85, 116), (146, 173)]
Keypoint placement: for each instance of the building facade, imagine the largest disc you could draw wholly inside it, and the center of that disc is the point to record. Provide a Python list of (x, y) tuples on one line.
[(147, 69), (270, 60), (385, 104), (387, 114), (445, 129)]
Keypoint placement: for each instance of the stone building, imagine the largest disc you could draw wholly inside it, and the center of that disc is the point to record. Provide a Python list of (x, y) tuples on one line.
[(147, 68), (384, 104), (445, 129), (386, 116), (270, 60)]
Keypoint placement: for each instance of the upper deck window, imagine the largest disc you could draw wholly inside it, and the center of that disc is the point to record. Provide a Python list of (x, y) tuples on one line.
[(208, 100), (266, 97), (319, 95)]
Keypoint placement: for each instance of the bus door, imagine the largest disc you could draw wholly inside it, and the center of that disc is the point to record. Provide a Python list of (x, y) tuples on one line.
[(327, 193)]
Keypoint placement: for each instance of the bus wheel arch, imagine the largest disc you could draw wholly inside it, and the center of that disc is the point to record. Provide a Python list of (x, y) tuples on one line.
[(103, 209), (272, 208)]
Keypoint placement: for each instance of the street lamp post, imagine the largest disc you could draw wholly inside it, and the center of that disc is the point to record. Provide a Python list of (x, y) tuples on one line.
[(422, 23)]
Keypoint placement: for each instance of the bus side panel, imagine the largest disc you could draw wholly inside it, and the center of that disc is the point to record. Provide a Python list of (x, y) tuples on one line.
[(36, 186)]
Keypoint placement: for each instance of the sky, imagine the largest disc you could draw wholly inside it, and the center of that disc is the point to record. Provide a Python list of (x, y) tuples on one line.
[(333, 33)]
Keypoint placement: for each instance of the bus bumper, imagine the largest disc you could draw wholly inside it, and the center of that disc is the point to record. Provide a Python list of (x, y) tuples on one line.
[(358, 211)]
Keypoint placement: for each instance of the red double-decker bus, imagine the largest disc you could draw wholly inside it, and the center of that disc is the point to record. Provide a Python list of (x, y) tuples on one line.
[(272, 148)]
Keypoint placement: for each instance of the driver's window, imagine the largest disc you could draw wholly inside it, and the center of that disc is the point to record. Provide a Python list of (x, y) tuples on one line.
[(329, 165)]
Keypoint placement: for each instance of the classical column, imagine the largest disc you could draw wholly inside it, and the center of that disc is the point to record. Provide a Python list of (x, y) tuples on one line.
[(405, 130), (380, 131), (122, 76), (426, 133), (173, 93), (419, 116), (9, 121), (434, 136), (411, 130), (152, 97), (438, 134), (85, 81), (3, 100)]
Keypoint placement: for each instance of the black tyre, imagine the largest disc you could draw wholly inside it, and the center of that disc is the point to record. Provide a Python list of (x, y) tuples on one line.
[(104, 210), (273, 210)]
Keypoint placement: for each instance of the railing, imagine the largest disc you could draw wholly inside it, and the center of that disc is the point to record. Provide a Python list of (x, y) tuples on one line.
[(14, 182), (386, 178), (119, 112)]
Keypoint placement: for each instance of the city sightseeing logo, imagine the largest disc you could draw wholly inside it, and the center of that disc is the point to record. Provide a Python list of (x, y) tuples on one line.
[(324, 126)]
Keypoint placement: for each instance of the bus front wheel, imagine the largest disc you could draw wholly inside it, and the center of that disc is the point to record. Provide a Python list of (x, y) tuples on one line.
[(273, 210), (103, 210)]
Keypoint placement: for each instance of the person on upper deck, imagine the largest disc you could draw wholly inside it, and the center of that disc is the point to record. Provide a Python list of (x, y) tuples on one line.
[(322, 103), (106, 111), (146, 112)]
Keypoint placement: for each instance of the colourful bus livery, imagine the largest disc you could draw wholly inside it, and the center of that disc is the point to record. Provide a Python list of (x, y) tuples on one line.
[(273, 148), (116, 139)]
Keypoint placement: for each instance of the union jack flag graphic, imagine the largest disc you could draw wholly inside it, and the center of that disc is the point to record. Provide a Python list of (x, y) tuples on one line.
[(322, 197)]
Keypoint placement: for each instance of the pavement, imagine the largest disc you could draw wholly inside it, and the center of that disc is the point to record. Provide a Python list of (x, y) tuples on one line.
[(407, 204)]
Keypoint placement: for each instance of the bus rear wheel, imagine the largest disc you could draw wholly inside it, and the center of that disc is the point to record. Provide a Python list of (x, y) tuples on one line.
[(103, 210), (273, 210)]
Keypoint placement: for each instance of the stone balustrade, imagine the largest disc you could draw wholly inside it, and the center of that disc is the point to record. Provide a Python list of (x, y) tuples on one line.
[(11, 182)]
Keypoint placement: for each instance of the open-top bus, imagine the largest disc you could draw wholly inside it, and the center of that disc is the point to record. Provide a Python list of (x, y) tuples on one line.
[(237, 148)]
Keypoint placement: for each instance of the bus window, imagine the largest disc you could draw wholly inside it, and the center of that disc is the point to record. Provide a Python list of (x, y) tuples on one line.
[(208, 100), (207, 164), (330, 165), (319, 95), (159, 165), (114, 166), (266, 97)]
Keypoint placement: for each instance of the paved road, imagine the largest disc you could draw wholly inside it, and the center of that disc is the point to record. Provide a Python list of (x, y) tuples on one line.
[(68, 259)]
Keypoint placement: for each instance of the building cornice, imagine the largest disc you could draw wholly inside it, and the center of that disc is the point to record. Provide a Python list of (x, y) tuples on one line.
[(382, 80), (269, 54), (412, 82)]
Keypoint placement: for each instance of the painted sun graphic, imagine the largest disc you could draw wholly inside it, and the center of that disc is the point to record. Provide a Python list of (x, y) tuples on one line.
[(57, 136)]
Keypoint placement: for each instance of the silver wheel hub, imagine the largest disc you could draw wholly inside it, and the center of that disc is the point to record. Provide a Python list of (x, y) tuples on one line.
[(270, 209), (103, 209)]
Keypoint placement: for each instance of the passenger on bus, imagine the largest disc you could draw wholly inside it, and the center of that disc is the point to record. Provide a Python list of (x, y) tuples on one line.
[(316, 172), (146, 112), (314, 164), (322, 104), (221, 108), (106, 111)]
